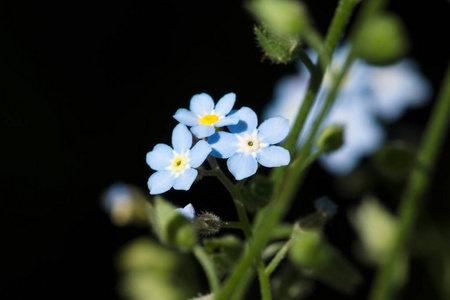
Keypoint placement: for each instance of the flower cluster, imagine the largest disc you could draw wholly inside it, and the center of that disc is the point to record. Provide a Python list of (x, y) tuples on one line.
[(367, 95), (244, 146)]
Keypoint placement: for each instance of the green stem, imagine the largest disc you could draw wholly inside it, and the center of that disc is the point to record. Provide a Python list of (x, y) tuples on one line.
[(208, 267), (231, 225), (337, 26), (278, 257), (245, 225), (417, 184)]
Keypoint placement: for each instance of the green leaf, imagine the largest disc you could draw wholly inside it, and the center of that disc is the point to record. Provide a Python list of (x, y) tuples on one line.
[(224, 252), (394, 160), (257, 193), (171, 227), (311, 253), (278, 48)]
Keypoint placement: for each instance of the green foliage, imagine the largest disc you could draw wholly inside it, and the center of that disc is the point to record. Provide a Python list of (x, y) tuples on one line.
[(258, 193), (331, 138), (278, 48), (311, 253), (171, 227), (285, 17), (383, 39), (395, 160), (149, 271), (224, 252)]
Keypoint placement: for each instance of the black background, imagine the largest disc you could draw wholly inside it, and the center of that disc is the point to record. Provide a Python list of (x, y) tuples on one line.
[(89, 87)]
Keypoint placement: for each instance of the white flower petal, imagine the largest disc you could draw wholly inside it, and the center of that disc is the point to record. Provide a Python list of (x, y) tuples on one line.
[(160, 157), (160, 182)]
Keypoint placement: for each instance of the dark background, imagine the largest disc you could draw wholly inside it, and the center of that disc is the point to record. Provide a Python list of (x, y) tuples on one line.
[(89, 87)]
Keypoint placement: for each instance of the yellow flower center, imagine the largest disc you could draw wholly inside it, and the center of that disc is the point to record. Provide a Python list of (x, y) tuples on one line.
[(179, 163), (209, 119)]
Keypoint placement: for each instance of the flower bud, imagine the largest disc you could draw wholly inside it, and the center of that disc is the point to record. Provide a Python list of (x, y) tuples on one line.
[(276, 47), (331, 138), (125, 204), (383, 40), (285, 17), (311, 253), (207, 223), (325, 210), (171, 227)]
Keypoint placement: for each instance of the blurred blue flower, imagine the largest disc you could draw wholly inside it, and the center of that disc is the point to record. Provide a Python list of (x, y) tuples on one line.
[(367, 94), (188, 211), (175, 167), (247, 145), (204, 117)]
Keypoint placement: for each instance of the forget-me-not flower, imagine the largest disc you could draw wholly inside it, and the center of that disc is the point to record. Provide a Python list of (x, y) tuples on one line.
[(204, 116), (176, 167), (188, 212), (367, 94), (247, 145)]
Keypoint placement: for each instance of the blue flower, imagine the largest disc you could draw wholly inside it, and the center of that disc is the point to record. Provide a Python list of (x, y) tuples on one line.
[(188, 212), (175, 167), (247, 145), (368, 93), (204, 117)]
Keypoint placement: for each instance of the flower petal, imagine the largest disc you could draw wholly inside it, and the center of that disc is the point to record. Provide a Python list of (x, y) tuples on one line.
[(248, 121), (223, 144), (160, 182), (181, 138), (227, 121), (202, 131), (199, 153), (273, 130), (242, 165), (188, 211), (186, 117), (201, 104), (160, 157), (225, 104), (273, 156), (185, 180)]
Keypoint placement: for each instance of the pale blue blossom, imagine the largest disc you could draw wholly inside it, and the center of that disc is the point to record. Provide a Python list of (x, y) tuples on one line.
[(367, 95), (188, 212), (176, 166), (247, 145), (204, 116)]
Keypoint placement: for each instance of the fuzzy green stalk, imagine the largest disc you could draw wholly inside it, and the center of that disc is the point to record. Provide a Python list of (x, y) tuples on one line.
[(234, 191), (418, 182), (208, 267)]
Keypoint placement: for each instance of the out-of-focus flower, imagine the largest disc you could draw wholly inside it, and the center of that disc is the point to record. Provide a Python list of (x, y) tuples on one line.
[(175, 167), (247, 145), (188, 211), (125, 204), (204, 117), (368, 93)]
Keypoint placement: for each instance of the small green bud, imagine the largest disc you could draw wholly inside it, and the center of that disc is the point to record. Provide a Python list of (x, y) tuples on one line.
[(171, 227), (311, 253), (308, 249), (276, 47), (331, 138), (207, 223), (285, 17), (383, 40)]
